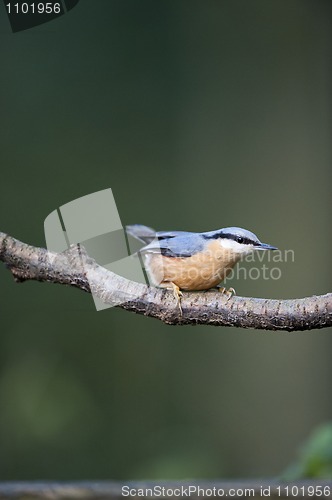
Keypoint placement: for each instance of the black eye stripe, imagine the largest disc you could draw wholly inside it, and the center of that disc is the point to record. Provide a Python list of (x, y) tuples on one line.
[(244, 241), (239, 239)]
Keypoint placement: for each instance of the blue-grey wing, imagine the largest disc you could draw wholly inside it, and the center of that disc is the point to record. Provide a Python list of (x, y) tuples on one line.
[(181, 244), (162, 235), (147, 234)]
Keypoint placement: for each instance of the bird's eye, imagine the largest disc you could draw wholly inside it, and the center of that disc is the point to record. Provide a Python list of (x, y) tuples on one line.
[(240, 239)]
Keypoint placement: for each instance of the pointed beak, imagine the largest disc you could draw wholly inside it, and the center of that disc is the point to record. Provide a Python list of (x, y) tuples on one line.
[(265, 246)]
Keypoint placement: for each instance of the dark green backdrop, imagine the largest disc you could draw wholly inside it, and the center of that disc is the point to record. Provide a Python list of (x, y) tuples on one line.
[(199, 115)]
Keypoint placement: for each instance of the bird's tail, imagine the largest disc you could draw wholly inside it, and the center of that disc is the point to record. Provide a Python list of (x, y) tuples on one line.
[(141, 233)]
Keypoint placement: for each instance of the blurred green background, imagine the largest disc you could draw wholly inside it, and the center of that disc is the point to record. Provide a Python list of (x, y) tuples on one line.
[(199, 115)]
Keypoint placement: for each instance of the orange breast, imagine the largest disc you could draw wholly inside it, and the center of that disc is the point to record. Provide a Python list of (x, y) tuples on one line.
[(202, 271)]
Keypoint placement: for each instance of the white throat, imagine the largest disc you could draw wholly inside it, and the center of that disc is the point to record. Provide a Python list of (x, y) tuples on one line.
[(238, 249)]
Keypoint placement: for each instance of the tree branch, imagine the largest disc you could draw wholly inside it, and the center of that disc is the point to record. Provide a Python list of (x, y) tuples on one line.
[(74, 267)]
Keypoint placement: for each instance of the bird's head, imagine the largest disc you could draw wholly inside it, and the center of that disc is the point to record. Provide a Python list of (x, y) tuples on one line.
[(239, 242)]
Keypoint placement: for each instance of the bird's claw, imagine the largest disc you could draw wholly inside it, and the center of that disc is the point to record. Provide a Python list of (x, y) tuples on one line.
[(229, 293), (176, 292), (177, 295)]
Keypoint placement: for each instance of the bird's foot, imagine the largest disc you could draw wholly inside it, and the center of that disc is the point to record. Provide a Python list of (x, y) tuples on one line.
[(176, 292), (178, 295), (229, 293)]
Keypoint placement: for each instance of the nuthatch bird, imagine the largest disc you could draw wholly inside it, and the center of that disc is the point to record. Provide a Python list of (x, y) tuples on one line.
[(181, 260)]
